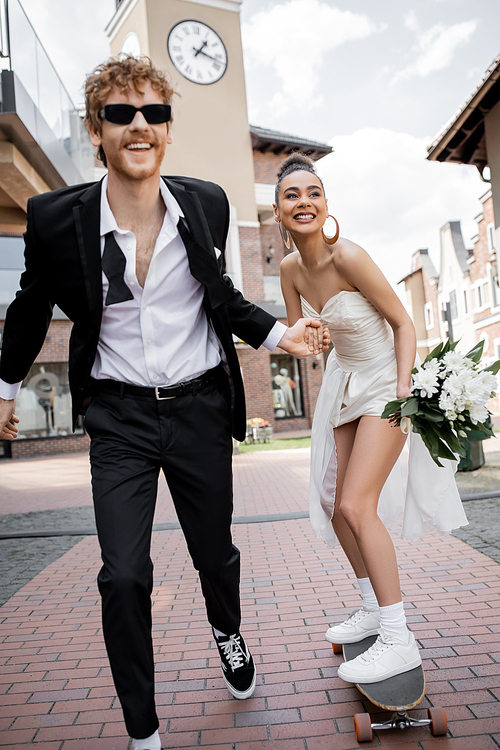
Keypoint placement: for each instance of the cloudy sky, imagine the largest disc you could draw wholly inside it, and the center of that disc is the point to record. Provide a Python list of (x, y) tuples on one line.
[(375, 79)]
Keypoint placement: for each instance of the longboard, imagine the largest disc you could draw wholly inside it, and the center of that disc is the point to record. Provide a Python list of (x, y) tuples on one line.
[(397, 694)]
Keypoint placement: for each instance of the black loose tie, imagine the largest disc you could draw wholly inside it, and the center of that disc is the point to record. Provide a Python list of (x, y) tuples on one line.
[(113, 264)]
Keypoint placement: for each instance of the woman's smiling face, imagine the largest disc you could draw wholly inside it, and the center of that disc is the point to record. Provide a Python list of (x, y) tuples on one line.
[(302, 206)]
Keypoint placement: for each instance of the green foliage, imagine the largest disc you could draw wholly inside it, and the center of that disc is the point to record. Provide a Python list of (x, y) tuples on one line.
[(476, 352)]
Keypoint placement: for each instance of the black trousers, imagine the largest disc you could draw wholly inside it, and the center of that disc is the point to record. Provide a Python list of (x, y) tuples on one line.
[(132, 438)]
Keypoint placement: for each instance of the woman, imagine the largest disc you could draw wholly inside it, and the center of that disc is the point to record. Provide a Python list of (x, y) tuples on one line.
[(353, 449)]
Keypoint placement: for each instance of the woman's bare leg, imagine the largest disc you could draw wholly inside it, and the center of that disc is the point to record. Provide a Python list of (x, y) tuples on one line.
[(344, 441), (375, 449)]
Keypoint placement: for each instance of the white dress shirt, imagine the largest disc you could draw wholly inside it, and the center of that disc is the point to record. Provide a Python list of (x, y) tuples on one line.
[(161, 336)]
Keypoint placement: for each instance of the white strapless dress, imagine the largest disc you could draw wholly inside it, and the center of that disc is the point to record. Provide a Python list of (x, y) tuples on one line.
[(359, 380)]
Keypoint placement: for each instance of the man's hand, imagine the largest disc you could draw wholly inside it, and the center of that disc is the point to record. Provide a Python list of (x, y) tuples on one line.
[(8, 420), (306, 337)]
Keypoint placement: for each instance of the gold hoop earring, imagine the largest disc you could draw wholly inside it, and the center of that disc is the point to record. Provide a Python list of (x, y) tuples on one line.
[(331, 240), (285, 236)]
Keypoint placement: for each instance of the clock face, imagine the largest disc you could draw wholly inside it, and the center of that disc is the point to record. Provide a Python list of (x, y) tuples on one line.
[(197, 52)]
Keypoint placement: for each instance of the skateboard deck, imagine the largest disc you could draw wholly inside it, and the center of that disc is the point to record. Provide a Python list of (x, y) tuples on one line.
[(397, 693)]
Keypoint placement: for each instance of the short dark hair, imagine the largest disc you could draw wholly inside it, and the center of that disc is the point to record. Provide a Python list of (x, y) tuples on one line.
[(122, 72), (293, 163)]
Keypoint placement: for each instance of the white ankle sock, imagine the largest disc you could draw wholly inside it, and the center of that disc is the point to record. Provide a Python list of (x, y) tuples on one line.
[(368, 594), (150, 743), (393, 622)]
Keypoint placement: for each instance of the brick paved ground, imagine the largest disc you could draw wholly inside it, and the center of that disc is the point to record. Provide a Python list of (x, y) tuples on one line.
[(57, 692)]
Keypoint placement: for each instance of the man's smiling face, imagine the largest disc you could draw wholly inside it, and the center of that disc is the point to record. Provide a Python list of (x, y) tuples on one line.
[(134, 151)]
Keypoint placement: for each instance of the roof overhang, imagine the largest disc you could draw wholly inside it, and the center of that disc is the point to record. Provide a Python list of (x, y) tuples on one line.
[(275, 142), (462, 139)]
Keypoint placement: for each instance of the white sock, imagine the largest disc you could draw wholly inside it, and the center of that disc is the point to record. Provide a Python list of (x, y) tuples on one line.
[(218, 633), (150, 743), (393, 622), (368, 594)]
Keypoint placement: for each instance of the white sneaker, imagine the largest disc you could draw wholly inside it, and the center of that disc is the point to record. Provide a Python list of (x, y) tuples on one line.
[(382, 660), (361, 623)]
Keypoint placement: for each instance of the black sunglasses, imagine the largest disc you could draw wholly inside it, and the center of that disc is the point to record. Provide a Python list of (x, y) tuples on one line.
[(123, 114)]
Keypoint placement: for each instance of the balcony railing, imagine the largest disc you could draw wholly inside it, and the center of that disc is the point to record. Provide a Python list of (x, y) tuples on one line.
[(23, 54)]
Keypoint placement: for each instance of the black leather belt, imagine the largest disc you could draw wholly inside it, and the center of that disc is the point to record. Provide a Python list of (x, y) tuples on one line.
[(161, 393)]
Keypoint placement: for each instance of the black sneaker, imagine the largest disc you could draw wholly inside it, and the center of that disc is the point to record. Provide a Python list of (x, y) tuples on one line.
[(238, 669)]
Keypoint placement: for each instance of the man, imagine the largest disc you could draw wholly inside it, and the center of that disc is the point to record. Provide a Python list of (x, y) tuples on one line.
[(134, 263)]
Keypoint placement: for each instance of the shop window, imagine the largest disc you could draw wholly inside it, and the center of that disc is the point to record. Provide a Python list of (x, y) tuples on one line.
[(286, 385), (453, 305), (44, 402)]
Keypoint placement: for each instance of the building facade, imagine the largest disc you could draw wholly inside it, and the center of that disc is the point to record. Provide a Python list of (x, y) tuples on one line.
[(43, 146), (212, 140)]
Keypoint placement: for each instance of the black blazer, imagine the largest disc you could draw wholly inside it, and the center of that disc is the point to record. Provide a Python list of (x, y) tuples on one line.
[(63, 267)]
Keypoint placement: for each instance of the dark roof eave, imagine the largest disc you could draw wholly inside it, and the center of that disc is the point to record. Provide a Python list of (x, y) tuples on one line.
[(274, 141), (459, 139)]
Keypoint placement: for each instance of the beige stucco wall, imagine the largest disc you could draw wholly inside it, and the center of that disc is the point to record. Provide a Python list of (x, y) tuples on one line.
[(492, 128), (136, 21), (210, 129)]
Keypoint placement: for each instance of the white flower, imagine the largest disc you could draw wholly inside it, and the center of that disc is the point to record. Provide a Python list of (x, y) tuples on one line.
[(433, 365), (478, 413), (488, 380), (426, 381), (405, 425), (454, 362)]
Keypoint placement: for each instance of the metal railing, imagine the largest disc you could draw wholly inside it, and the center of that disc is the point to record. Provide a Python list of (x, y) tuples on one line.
[(22, 52)]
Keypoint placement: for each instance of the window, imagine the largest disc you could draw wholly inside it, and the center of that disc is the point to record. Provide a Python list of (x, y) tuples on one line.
[(429, 316), (286, 385), (490, 233), (466, 303), (453, 305), (44, 402), (11, 267), (479, 296)]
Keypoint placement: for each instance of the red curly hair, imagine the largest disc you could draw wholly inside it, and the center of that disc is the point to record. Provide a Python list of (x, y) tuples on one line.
[(122, 72)]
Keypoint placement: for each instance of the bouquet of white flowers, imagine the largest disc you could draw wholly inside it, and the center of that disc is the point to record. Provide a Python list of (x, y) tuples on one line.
[(448, 401)]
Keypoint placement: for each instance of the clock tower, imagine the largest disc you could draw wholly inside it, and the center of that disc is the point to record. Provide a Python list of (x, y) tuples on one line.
[(198, 43)]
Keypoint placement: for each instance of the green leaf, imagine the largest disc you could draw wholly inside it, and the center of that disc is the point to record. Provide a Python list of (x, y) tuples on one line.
[(494, 368), (446, 347), (411, 407), (392, 407), (429, 412), (434, 354), (479, 427), (476, 352)]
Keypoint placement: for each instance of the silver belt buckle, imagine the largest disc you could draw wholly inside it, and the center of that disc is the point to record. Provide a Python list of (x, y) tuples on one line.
[(161, 398)]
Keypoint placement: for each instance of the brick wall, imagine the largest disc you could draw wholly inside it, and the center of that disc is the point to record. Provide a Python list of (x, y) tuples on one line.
[(266, 166), (256, 370), (251, 263), (49, 446), (56, 344), (272, 248)]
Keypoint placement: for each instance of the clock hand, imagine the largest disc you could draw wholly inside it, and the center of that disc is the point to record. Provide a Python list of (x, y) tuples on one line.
[(209, 56), (197, 51)]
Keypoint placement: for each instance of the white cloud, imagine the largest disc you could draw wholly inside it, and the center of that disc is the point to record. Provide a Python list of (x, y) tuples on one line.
[(410, 21), (436, 47), (389, 199), (75, 41), (292, 37)]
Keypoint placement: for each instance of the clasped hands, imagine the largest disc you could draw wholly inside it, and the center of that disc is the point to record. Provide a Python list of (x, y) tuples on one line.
[(306, 337), (8, 420)]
